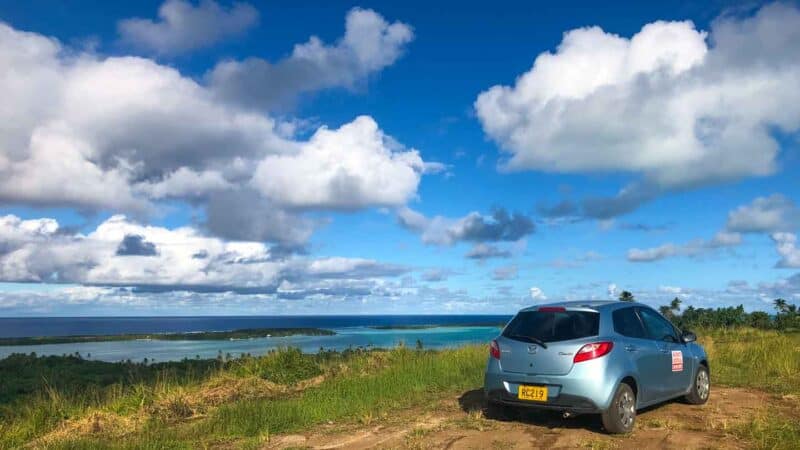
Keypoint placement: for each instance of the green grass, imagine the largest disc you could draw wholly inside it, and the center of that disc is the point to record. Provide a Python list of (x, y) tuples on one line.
[(410, 378), (746, 357), (770, 433), (357, 387)]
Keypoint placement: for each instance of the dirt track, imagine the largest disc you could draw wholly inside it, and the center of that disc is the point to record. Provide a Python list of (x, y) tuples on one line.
[(457, 423)]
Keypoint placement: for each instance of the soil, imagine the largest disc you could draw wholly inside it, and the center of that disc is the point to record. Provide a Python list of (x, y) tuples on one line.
[(460, 423)]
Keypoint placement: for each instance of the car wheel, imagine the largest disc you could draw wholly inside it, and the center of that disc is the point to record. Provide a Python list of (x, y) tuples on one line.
[(701, 387), (621, 415)]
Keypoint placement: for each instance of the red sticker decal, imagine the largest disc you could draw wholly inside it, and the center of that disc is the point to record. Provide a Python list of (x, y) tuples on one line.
[(677, 361)]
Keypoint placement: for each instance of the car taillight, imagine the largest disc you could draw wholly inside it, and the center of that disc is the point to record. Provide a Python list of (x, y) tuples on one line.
[(494, 350), (592, 351)]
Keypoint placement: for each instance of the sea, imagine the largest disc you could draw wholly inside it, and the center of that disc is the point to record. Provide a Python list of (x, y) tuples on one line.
[(361, 331)]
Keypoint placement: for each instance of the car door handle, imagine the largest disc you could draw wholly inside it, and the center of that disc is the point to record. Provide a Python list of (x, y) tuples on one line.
[(631, 348), (664, 350)]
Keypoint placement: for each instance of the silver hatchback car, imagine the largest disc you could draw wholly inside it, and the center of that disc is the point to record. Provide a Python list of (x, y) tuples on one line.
[(605, 357)]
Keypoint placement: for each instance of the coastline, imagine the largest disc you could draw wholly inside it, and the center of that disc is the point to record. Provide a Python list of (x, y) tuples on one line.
[(245, 333)]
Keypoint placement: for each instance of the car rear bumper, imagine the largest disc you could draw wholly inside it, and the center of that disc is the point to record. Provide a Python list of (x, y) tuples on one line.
[(587, 388), (562, 403)]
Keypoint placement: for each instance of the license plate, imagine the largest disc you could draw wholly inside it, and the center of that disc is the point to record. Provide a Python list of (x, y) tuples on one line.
[(533, 393)]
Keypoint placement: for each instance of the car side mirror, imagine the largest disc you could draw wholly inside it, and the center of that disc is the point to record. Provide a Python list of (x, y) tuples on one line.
[(688, 337)]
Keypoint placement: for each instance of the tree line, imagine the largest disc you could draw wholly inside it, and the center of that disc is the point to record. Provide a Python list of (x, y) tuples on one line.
[(786, 318)]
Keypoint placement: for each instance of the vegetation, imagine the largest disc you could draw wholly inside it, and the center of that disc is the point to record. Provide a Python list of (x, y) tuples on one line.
[(246, 333), (68, 402), (786, 319), (626, 296)]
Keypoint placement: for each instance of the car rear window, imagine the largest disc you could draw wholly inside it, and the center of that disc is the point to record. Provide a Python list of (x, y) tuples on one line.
[(553, 326)]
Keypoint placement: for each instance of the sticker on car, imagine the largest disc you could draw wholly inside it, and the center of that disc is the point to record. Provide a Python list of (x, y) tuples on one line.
[(677, 361)]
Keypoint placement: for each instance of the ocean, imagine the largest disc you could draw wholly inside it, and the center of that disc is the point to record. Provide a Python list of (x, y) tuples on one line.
[(351, 332)]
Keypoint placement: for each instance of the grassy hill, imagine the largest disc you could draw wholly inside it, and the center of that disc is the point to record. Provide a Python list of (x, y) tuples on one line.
[(67, 402)]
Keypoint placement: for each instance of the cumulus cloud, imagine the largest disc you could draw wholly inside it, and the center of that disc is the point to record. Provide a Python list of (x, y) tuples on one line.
[(183, 26), (765, 215), (679, 106), (120, 252), (124, 133), (369, 44), (537, 294), (772, 214), (246, 216), (15, 232), (110, 130), (693, 248), (786, 245), (135, 245), (347, 168), (474, 227), (485, 251)]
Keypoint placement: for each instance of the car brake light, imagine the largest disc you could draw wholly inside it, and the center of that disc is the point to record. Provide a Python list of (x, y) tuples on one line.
[(592, 351), (552, 309), (494, 350)]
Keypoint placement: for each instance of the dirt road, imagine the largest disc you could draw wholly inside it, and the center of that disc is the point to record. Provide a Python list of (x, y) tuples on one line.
[(458, 423)]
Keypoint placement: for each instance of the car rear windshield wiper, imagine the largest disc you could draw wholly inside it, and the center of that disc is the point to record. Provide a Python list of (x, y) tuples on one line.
[(532, 340)]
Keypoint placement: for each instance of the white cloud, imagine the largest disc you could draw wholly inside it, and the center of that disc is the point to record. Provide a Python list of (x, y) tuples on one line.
[(653, 253), (184, 26), (537, 294), (786, 245), (672, 290), (79, 130), (350, 167), (122, 133), (672, 103), (369, 44), (482, 251), (692, 248), (176, 259), (185, 183), (764, 215), (473, 227)]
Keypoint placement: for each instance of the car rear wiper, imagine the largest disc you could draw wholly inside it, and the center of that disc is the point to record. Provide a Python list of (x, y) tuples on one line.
[(532, 340)]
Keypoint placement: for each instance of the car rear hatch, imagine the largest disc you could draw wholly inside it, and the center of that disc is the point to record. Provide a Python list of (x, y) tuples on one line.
[(544, 341)]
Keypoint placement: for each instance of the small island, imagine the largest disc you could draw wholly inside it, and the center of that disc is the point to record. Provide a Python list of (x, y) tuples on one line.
[(245, 333)]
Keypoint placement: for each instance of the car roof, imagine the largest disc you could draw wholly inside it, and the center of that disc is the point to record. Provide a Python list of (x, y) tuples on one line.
[(588, 304)]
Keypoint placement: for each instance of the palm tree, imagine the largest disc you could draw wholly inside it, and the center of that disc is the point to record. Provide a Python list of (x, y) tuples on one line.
[(665, 311), (780, 305), (675, 305), (626, 296)]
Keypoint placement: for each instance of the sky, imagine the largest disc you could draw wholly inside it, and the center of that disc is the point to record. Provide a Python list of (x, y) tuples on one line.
[(210, 158)]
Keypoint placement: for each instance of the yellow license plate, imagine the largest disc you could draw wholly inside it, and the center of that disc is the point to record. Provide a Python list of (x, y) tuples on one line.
[(534, 393)]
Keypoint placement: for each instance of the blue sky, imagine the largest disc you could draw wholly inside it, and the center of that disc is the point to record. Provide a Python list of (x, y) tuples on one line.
[(231, 158)]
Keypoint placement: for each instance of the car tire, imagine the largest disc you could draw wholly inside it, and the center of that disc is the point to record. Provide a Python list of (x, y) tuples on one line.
[(620, 417), (701, 387)]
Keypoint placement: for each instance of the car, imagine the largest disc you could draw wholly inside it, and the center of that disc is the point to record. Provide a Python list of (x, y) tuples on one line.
[(610, 358)]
